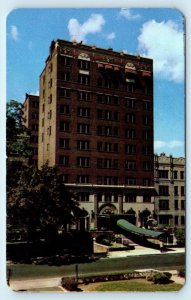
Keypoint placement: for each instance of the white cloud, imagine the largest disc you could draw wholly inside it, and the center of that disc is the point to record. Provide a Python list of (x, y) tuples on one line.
[(170, 145), (79, 31), (127, 13), (163, 42), (111, 36), (14, 33)]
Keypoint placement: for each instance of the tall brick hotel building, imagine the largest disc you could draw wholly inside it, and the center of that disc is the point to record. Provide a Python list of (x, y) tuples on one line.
[(96, 126)]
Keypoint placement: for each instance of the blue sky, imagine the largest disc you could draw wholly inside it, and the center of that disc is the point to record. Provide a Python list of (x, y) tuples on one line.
[(155, 33)]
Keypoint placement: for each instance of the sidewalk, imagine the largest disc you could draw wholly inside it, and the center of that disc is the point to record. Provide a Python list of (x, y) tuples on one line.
[(139, 250)]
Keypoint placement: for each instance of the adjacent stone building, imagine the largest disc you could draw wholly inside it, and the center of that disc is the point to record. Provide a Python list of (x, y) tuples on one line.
[(170, 188), (96, 125)]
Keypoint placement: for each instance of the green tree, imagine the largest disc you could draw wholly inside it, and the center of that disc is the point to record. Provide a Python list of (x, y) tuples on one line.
[(41, 200)]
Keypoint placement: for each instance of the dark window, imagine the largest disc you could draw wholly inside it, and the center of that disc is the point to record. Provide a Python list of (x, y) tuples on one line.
[(130, 133), (64, 143), (182, 204), (108, 197), (64, 126), (64, 109), (130, 165), (147, 135), (84, 64), (50, 99), (83, 145), (130, 118), (164, 204), (175, 173), (147, 105), (65, 76), (130, 198), (84, 96), (130, 180), (147, 166), (62, 92), (83, 128), (83, 162), (175, 190), (83, 112), (64, 160), (146, 120), (84, 79), (146, 181), (130, 103), (49, 130), (147, 150), (82, 178), (147, 198), (176, 205), (182, 220), (83, 197), (34, 127), (34, 115), (181, 174), (34, 138), (163, 190), (35, 104), (66, 61), (49, 116), (176, 219), (163, 174), (130, 149), (182, 190), (65, 178)]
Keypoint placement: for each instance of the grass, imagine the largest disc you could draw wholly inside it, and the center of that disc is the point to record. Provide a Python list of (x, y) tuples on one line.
[(133, 286)]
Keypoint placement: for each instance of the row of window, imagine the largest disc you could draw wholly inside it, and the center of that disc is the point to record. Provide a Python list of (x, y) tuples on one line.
[(84, 145), (176, 175), (164, 190), (111, 131), (101, 99), (109, 197), (107, 180), (165, 204), (166, 221), (105, 163)]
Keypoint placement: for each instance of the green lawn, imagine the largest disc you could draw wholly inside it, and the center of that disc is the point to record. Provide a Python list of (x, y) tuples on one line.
[(132, 286)]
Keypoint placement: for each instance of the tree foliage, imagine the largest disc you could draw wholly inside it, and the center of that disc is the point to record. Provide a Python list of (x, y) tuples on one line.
[(41, 200)]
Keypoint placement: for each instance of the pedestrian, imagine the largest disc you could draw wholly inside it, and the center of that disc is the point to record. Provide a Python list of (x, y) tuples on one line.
[(161, 246)]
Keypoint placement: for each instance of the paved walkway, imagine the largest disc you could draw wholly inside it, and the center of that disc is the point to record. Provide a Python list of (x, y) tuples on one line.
[(139, 250)]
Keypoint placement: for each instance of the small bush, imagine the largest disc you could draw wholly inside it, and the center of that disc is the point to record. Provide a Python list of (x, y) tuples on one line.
[(182, 272), (160, 278), (69, 284)]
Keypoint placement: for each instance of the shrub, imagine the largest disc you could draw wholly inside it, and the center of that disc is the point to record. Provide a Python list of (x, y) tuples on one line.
[(181, 272), (69, 284), (160, 278)]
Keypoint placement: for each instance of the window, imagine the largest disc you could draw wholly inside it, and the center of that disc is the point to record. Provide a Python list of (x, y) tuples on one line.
[(83, 145), (83, 112), (130, 118), (182, 190), (84, 64), (147, 135), (146, 198), (34, 127), (35, 151), (35, 104), (176, 219), (64, 126), (182, 220), (129, 87), (163, 204), (163, 190), (130, 149), (130, 180), (181, 174), (182, 204), (176, 205), (146, 181), (163, 174), (107, 83), (49, 129), (34, 138), (83, 79), (175, 190), (42, 122), (64, 109), (147, 105), (42, 137), (63, 92), (147, 150), (65, 76), (34, 115), (66, 61), (83, 162), (130, 103), (49, 115), (130, 198), (130, 133), (50, 99), (64, 160), (83, 96), (84, 197), (43, 107), (83, 128), (82, 179), (147, 166), (175, 173), (146, 120), (108, 198), (130, 165), (100, 81), (64, 143), (50, 83), (65, 178)]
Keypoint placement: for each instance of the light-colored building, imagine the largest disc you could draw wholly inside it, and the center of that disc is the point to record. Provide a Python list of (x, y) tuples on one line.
[(170, 187)]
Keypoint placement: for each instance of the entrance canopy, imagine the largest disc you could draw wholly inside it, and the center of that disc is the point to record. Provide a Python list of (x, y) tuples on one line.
[(125, 225)]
